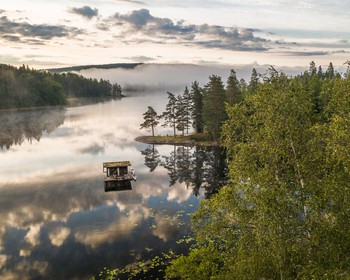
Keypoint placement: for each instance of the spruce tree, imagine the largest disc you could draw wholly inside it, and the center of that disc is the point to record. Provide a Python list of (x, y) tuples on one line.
[(254, 81), (197, 107), (214, 113), (180, 114), (169, 114), (330, 71), (187, 104), (234, 93)]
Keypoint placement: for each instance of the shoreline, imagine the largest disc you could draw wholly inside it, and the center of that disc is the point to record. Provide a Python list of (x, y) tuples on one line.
[(175, 140)]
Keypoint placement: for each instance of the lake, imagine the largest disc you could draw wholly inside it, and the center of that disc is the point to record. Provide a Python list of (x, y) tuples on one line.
[(57, 221)]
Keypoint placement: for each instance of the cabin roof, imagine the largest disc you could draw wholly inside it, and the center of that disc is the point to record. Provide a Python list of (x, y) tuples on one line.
[(116, 164)]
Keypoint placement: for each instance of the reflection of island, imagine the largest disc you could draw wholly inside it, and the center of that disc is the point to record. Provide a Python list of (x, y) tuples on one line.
[(152, 157), (17, 126), (197, 167)]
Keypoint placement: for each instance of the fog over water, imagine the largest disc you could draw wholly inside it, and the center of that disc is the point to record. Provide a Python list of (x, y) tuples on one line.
[(174, 77)]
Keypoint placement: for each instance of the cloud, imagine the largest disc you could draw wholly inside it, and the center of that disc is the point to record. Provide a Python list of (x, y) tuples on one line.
[(29, 33), (306, 53), (314, 53), (93, 149), (140, 58), (153, 29), (85, 11), (132, 1), (59, 235)]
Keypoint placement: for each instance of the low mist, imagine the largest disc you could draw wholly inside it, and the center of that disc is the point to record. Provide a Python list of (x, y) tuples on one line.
[(172, 77)]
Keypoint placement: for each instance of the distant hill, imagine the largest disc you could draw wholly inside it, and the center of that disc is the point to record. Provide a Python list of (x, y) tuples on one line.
[(101, 66)]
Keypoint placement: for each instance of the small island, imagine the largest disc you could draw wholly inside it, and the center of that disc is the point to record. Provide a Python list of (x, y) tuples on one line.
[(195, 116), (186, 140)]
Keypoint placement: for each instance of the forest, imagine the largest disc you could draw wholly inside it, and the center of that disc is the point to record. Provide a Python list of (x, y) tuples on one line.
[(23, 87), (284, 213)]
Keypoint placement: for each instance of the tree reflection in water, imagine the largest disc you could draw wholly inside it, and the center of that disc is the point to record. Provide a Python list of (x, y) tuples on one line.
[(197, 167), (152, 157), (17, 126)]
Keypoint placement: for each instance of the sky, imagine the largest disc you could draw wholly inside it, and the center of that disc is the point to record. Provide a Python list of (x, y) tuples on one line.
[(50, 34)]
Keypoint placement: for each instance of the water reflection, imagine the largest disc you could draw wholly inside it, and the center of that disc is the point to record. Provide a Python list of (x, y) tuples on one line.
[(117, 186), (17, 126), (197, 167), (57, 221)]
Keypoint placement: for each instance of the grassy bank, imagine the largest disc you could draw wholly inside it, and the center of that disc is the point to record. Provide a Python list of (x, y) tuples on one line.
[(186, 140)]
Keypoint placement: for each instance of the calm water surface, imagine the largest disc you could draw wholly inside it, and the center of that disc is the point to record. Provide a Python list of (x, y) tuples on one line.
[(57, 221)]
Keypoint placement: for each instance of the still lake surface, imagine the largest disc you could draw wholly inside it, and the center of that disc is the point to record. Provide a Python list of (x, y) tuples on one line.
[(57, 221)]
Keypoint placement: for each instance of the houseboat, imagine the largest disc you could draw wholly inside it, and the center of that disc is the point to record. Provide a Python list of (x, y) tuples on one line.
[(118, 171)]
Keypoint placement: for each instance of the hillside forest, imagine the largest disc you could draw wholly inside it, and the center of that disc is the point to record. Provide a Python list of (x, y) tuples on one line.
[(23, 87), (284, 213)]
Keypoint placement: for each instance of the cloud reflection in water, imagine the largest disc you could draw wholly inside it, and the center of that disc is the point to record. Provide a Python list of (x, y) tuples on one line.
[(53, 204)]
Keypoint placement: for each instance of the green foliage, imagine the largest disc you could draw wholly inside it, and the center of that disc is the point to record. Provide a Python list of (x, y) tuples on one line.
[(209, 262), (197, 109), (234, 93), (214, 99), (285, 213), (254, 81)]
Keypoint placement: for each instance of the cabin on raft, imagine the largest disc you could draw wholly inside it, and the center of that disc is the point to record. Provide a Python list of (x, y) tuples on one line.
[(118, 171)]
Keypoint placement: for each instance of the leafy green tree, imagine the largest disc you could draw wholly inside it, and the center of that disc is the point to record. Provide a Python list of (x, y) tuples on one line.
[(234, 93), (169, 114), (150, 119), (284, 214), (214, 113), (197, 109)]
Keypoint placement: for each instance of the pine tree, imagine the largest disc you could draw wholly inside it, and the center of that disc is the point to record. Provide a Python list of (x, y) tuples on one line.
[(234, 93), (180, 114), (151, 119), (187, 104), (330, 71), (170, 112), (197, 108), (320, 72), (214, 113), (254, 81), (312, 68)]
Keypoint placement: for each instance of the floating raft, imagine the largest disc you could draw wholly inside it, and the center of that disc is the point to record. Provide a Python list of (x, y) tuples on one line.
[(118, 171)]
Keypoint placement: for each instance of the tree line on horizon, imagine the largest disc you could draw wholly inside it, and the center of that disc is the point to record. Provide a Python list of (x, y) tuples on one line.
[(23, 87)]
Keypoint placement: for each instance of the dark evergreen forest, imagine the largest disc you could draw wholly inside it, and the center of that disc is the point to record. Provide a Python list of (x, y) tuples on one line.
[(23, 87)]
